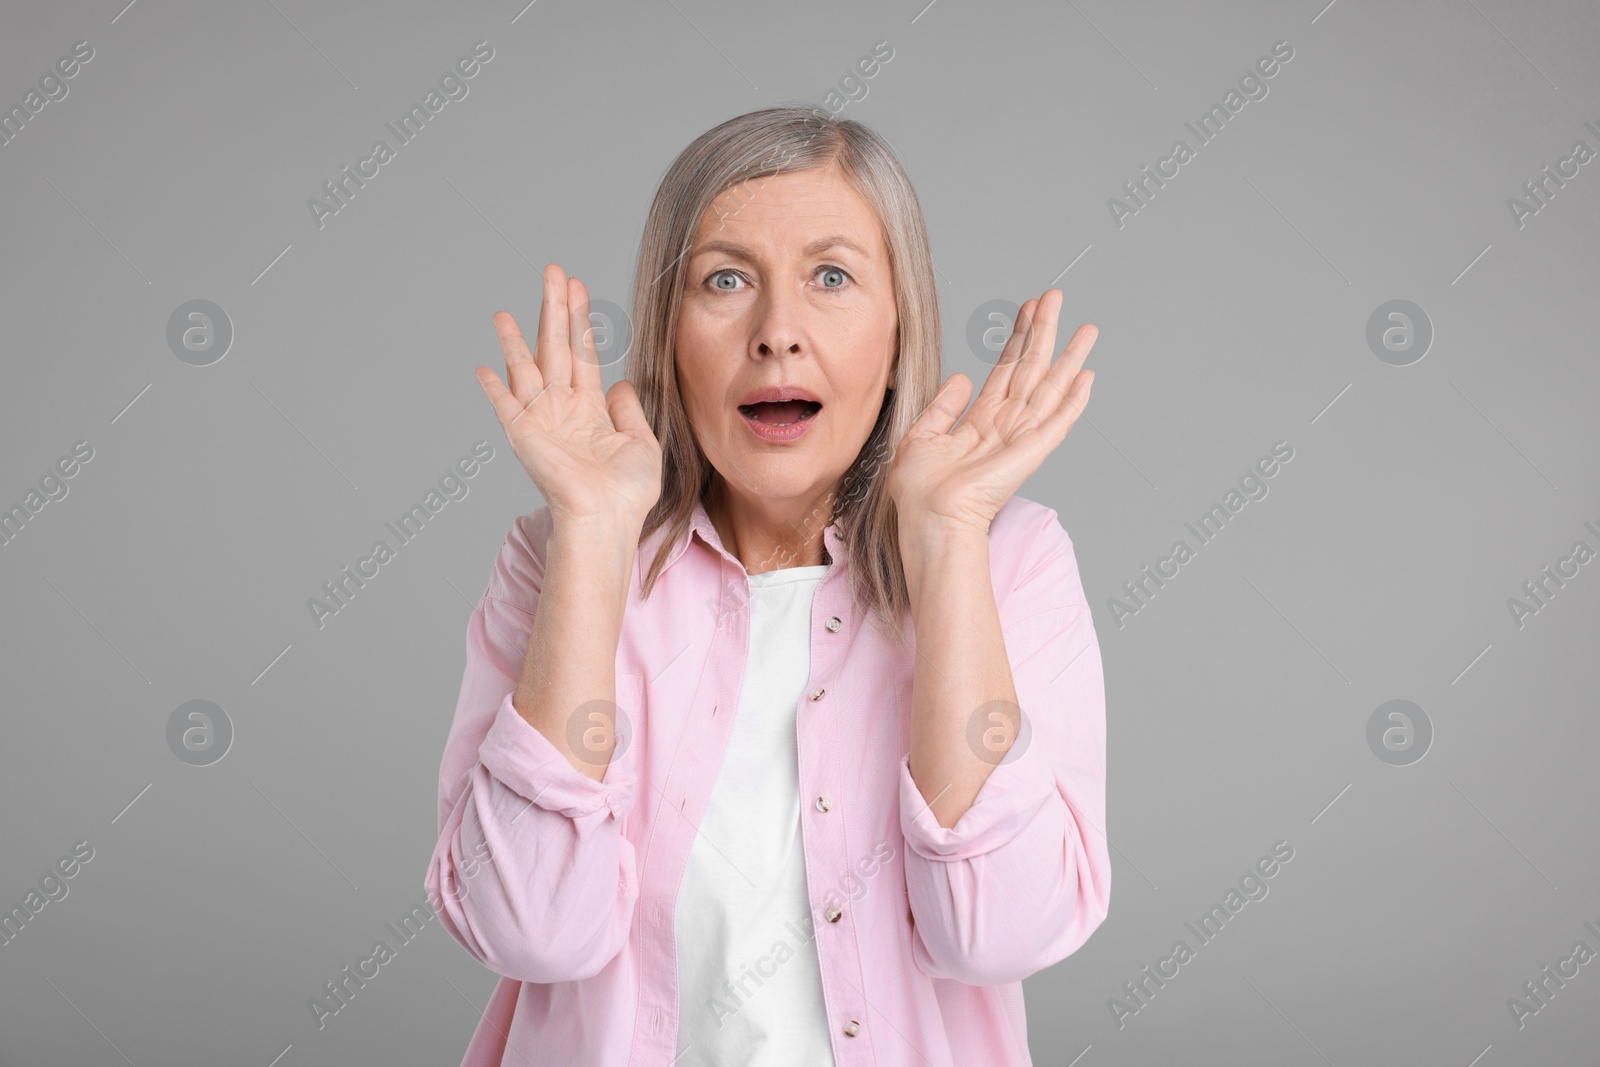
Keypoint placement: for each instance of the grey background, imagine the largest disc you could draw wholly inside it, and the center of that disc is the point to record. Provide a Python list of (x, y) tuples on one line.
[(1232, 312)]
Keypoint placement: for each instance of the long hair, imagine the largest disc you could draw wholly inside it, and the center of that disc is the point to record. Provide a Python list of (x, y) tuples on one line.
[(745, 149)]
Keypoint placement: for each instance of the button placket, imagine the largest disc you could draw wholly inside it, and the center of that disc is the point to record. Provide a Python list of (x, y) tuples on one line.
[(830, 958)]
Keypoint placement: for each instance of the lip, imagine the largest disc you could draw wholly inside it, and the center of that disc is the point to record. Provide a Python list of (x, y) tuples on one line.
[(781, 435), (774, 393)]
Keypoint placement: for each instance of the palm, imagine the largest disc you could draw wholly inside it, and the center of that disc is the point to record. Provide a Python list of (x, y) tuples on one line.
[(591, 454), (966, 473), (578, 458)]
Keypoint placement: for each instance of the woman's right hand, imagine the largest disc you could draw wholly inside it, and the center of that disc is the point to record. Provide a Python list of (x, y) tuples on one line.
[(592, 455)]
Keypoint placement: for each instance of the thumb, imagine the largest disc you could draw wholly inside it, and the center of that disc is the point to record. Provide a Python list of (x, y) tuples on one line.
[(947, 405), (627, 413)]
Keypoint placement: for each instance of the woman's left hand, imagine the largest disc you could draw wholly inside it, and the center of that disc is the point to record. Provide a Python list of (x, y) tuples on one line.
[(961, 477)]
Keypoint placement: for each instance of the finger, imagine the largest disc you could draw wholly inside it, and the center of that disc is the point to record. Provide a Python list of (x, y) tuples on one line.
[(585, 360), (522, 373), (1041, 342), (948, 404), (555, 329), (1063, 377), (506, 407), (999, 379), (1066, 416)]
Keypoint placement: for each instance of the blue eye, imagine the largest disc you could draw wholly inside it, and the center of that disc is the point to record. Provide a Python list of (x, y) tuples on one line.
[(727, 279)]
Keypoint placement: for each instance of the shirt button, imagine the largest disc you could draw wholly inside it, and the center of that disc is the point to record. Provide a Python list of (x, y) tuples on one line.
[(834, 623), (823, 803), (833, 913), (816, 694), (852, 1028)]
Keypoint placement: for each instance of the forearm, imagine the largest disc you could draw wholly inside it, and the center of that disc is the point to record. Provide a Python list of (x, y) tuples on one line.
[(567, 686), (963, 698), (532, 893)]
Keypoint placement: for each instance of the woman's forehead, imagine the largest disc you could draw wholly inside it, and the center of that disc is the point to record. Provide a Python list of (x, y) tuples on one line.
[(803, 212), (818, 190)]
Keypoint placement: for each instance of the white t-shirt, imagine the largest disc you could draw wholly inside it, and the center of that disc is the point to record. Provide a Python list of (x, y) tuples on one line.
[(750, 989)]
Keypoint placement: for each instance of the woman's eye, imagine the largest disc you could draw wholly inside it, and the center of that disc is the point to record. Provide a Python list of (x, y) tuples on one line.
[(728, 280)]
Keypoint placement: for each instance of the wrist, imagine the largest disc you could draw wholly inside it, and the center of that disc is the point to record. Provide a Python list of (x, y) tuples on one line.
[(610, 538), (924, 531), (601, 526), (939, 551)]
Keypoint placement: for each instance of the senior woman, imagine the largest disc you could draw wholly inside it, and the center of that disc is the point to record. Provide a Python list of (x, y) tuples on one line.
[(782, 733)]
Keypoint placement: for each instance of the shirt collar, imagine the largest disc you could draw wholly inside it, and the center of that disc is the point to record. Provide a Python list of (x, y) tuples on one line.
[(700, 523)]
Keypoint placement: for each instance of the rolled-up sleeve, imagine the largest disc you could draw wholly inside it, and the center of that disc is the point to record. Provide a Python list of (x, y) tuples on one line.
[(1024, 876), (531, 874)]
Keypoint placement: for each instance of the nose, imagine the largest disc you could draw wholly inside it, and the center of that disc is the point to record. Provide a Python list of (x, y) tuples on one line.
[(779, 323)]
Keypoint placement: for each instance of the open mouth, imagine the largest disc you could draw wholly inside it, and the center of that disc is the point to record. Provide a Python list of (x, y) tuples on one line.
[(780, 412)]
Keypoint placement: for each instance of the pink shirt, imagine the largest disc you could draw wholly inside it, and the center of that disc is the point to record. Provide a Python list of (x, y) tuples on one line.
[(566, 886)]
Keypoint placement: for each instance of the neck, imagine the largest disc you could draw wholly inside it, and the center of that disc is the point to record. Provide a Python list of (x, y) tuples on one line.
[(767, 534)]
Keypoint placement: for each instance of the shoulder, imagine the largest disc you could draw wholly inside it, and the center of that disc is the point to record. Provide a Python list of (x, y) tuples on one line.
[(519, 568), (1021, 524), (1028, 546)]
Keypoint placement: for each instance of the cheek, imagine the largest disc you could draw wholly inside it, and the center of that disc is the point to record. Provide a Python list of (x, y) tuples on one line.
[(702, 337), (703, 374), (873, 341)]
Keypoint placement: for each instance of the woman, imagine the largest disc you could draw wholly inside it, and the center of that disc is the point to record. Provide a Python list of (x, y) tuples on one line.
[(782, 733)]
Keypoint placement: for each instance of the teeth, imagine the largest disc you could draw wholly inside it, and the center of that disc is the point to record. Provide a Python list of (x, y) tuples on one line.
[(809, 409), (802, 418)]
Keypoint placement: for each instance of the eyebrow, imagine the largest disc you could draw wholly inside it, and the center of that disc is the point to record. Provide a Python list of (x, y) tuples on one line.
[(820, 245)]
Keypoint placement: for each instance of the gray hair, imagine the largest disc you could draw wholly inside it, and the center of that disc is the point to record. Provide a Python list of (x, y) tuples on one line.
[(744, 148)]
